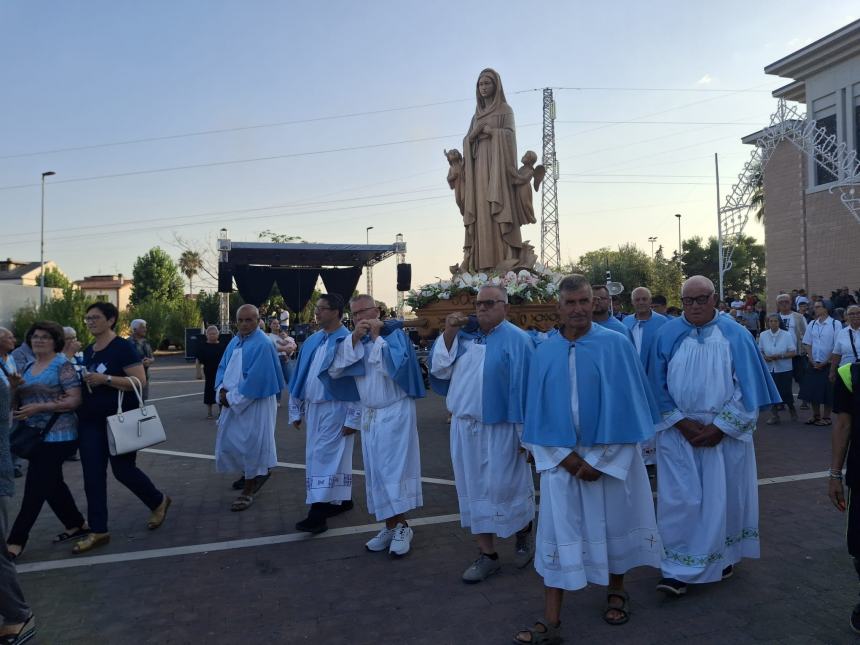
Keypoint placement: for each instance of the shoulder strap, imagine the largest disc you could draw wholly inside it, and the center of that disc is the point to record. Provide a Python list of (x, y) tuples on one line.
[(853, 348)]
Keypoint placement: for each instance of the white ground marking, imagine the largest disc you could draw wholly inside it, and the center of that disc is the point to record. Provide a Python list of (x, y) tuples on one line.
[(283, 464), (176, 396), (193, 549)]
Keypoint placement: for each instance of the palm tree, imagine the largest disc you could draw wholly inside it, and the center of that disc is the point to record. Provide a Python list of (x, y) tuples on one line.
[(190, 264), (757, 200)]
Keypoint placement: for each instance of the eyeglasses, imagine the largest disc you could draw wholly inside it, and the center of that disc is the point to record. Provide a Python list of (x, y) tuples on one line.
[(322, 308), (488, 304), (699, 300), (93, 318)]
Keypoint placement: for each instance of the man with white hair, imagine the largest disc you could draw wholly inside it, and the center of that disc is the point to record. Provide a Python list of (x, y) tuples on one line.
[(389, 380), (481, 365), (248, 378), (795, 324), (710, 381), (141, 343), (644, 325)]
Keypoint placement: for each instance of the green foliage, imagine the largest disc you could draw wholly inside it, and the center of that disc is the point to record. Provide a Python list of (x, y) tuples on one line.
[(632, 268), (156, 314), (757, 200), (166, 322), (156, 278), (67, 311), (190, 263), (307, 314), (184, 313), (279, 238), (54, 279), (748, 270), (209, 303)]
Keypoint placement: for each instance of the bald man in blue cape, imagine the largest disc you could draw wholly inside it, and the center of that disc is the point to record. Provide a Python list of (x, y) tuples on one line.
[(246, 384), (481, 366), (710, 381), (587, 407)]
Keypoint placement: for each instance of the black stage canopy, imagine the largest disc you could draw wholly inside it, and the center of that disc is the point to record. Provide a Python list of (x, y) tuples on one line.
[(256, 266)]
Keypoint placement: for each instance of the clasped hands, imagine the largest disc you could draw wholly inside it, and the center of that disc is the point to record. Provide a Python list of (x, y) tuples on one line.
[(699, 435), (579, 468)]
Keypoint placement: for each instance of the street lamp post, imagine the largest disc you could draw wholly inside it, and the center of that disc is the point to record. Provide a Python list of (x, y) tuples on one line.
[(652, 240), (680, 250), (42, 242), (369, 267)]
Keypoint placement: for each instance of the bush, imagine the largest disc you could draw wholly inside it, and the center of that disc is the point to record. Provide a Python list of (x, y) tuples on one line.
[(67, 311)]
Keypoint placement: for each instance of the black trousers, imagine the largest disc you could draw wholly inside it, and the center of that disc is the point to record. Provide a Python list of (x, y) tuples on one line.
[(45, 483)]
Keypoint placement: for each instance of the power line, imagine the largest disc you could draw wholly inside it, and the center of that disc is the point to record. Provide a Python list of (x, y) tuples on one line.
[(237, 211), (747, 123), (241, 128), (231, 162), (652, 183), (650, 89), (219, 220)]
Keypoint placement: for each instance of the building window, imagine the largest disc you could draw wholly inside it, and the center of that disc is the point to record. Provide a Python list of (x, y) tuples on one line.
[(102, 297), (822, 174)]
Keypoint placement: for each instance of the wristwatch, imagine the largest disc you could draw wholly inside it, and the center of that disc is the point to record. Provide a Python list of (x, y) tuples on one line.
[(109, 379)]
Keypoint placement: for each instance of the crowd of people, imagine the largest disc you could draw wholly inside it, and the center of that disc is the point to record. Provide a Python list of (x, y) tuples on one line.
[(590, 407)]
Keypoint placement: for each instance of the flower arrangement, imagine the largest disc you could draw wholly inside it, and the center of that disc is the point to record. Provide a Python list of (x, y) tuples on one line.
[(539, 285)]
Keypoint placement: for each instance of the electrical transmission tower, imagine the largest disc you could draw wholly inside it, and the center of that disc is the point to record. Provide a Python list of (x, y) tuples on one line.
[(550, 254)]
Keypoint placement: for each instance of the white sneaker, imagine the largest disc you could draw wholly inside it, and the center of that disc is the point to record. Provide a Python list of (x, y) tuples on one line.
[(401, 540), (382, 540)]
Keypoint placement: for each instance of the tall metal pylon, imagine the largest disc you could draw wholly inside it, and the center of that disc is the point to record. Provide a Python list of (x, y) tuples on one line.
[(550, 253)]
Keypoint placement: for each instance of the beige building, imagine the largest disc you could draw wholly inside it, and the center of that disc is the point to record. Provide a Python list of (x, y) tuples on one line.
[(812, 235), (110, 288), (19, 287)]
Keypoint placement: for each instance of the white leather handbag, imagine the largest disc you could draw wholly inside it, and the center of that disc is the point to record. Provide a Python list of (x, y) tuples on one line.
[(134, 429)]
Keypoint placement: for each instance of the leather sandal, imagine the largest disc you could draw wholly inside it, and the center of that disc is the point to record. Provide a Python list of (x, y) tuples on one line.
[(158, 514), (90, 542), (549, 635)]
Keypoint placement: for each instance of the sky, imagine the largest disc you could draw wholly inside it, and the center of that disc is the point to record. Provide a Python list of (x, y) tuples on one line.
[(166, 121)]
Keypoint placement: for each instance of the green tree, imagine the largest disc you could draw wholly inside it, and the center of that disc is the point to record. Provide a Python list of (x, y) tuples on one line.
[(190, 263), (182, 315), (747, 273), (279, 238), (627, 265), (666, 278), (55, 279), (67, 311), (757, 200), (156, 278)]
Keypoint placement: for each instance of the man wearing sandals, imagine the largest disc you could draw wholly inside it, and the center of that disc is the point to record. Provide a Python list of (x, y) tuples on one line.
[(481, 366), (710, 381), (248, 379), (588, 406), (846, 452), (388, 380)]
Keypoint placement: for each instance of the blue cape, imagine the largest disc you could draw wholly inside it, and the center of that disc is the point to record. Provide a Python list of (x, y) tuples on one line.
[(757, 387), (261, 369), (650, 329), (342, 389), (616, 325), (615, 402), (401, 363), (506, 370)]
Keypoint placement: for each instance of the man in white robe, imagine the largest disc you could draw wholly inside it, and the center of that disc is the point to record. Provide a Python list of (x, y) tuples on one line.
[(246, 384), (332, 415), (388, 381), (588, 405), (482, 367), (710, 382)]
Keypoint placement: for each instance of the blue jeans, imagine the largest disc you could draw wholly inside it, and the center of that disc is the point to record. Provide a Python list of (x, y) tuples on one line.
[(95, 456)]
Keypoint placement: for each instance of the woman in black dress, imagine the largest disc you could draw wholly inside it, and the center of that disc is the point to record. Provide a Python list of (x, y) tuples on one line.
[(209, 354)]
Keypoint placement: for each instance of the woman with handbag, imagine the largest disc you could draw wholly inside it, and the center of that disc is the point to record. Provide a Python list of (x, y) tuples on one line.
[(46, 435), (110, 363)]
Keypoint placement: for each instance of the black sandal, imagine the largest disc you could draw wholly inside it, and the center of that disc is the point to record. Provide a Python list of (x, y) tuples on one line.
[(624, 609), (65, 536)]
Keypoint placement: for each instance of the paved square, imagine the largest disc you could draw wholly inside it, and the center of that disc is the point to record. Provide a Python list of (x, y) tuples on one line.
[(212, 576)]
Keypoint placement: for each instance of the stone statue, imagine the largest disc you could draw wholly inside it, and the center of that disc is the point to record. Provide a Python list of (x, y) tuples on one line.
[(522, 179), (456, 178), (492, 212)]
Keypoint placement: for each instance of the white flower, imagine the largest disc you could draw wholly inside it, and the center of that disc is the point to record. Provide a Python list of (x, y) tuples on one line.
[(466, 278), (524, 274), (445, 295), (481, 278), (495, 281), (540, 268)]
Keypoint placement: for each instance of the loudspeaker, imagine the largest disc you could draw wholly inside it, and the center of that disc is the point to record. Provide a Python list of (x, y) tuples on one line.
[(225, 278), (404, 277)]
